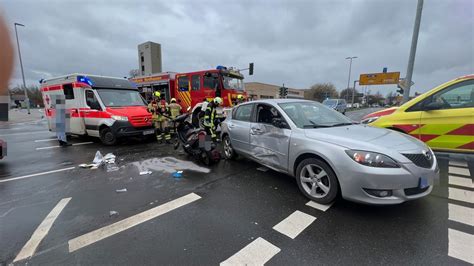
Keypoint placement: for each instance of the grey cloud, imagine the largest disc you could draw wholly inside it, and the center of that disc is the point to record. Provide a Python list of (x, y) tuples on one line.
[(297, 43)]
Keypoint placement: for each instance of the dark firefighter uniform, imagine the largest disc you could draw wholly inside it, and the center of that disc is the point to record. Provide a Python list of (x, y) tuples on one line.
[(159, 112), (210, 117)]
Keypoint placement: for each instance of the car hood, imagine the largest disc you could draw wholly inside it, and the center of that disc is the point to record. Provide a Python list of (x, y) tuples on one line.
[(362, 137), (129, 111)]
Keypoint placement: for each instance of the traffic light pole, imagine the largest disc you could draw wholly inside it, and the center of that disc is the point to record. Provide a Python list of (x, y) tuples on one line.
[(411, 60)]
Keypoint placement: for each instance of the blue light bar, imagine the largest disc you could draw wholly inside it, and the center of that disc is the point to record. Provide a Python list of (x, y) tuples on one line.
[(84, 79), (221, 68)]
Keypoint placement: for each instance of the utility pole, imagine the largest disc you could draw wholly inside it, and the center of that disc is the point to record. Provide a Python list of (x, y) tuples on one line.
[(21, 66), (353, 92), (411, 60), (350, 68)]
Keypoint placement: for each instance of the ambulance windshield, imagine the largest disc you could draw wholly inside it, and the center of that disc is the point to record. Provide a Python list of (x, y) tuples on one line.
[(120, 97)]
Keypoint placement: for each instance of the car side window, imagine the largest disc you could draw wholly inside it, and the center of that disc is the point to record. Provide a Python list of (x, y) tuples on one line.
[(460, 95), (266, 114), (91, 100), (183, 83), (243, 113)]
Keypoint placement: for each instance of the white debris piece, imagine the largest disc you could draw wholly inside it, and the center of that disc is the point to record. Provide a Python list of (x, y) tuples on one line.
[(262, 169), (98, 158), (109, 158), (113, 213), (121, 190), (147, 172)]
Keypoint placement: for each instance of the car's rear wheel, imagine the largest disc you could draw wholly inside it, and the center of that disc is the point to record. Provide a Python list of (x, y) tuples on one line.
[(317, 181), (228, 150)]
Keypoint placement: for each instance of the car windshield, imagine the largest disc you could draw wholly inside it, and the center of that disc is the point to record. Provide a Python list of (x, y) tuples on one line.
[(313, 115), (232, 83), (330, 102), (120, 97)]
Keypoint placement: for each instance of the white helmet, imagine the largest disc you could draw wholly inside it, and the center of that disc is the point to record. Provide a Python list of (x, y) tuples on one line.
[(218, 100)]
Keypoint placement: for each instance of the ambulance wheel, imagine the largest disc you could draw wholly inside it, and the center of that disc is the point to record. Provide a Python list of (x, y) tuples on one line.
[(107, 136)]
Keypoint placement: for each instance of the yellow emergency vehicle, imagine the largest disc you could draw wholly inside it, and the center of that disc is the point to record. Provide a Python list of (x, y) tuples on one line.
[(442, 117)]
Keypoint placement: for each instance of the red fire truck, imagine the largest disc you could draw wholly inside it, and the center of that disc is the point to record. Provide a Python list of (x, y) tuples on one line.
[(191, 89)]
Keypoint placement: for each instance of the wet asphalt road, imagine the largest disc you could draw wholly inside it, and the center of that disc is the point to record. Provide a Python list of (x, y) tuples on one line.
[(238, 204)]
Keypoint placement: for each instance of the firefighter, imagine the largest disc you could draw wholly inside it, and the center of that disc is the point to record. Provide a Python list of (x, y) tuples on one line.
[(159, 110), (240, 99), (175, 111), (210, 117)]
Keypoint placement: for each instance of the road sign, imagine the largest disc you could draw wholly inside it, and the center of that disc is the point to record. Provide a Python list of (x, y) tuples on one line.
[(402, 83), (379, 78)]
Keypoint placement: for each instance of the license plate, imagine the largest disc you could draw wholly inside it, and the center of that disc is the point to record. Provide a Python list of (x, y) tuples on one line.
[(423, 182), (148, 132)]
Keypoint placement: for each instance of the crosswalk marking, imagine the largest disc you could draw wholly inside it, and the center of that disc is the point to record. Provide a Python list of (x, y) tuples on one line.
[(461, 214), (110, 230), (460, 245), (294, 224), (321, 207), (461, 195), (256, 253), (459, 171), (30, 247), (461, 181)]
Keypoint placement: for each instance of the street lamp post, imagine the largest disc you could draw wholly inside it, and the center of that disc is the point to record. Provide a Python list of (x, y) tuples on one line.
[(21, 66), (349, 78)]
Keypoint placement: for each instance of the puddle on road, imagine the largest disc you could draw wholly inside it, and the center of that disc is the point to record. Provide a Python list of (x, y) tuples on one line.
[(168, 165)]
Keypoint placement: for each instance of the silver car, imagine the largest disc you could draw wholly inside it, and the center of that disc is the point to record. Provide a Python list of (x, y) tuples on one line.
[(329, 154)]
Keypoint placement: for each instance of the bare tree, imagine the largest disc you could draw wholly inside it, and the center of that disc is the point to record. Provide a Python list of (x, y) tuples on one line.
[(34, 94), (134, 73), (321, 91)]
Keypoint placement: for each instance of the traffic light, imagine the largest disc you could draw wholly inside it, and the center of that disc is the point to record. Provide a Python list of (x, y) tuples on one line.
[(400, 90), (283, 92), (250, 69)]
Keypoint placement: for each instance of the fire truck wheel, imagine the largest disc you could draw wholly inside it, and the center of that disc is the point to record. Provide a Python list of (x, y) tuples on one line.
[(107, 136)]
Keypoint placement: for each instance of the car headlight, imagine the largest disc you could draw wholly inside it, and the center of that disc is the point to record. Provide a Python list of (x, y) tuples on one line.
[(372, 159), (120, 118), (370, 120)]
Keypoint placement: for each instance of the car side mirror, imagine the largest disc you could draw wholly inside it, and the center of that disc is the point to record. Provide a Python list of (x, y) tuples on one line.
[(433, 106), (279, 123)]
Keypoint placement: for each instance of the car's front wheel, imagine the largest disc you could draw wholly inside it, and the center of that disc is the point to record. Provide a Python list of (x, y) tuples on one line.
[(317, 181), (107, 136), (228, 150)]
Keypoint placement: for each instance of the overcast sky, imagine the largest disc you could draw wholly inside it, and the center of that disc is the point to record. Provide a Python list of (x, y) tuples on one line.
[(298, 43)]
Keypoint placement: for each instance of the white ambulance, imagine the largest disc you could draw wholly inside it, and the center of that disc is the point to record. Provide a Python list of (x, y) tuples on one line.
[(105, 107)]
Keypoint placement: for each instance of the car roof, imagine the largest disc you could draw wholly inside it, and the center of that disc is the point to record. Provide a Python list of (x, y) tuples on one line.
[(277, 101)]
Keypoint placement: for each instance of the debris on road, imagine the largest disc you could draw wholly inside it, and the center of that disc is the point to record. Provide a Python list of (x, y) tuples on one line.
[(109, 158), (91, 166), (178, 174), (147, 172), (121, 190), (113, 213), (262, 169), (98, 158)]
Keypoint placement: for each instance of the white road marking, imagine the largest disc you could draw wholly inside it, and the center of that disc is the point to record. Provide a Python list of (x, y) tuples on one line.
[(461, 181), (294, 224), (321, 207), (460, 245), (461, 195), (461, 214), (459, 171), (43, 140), (30, 247), (256, 253), (127, 223), (75, 144), (24, 133), (458, 163), (37, 174)]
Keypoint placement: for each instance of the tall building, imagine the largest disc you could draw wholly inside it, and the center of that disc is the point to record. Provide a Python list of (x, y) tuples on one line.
[(149, 58)]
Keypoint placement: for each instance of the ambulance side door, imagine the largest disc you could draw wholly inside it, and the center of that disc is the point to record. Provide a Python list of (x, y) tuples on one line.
[(73, 98)]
